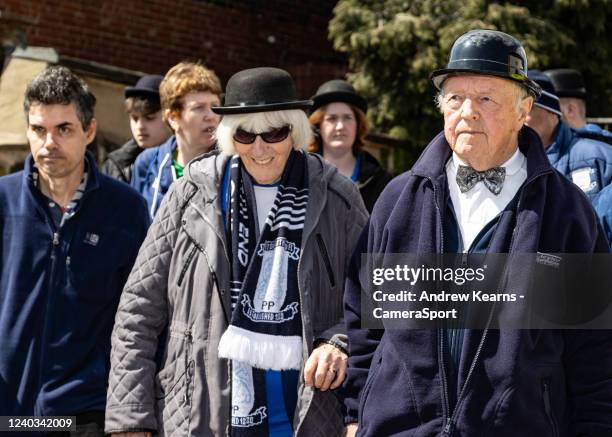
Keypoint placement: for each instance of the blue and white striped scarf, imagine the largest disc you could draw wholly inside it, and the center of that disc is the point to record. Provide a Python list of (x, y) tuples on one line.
[(266, 326)]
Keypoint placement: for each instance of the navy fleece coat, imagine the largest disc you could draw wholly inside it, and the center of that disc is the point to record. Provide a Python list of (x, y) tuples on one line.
[(59, 290), (509, 382)]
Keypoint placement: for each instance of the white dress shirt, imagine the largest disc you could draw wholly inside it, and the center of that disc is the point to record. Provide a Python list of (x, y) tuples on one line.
[(478, 206)]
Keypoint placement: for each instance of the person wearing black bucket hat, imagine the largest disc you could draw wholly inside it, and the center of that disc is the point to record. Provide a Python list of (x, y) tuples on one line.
[(340, 126), (256, 237), (482, 185), (569, 86), (143, 107), (586, 162)]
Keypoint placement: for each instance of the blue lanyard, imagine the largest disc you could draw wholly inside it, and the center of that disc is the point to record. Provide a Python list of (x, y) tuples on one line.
[(357, 168), (225, 190)]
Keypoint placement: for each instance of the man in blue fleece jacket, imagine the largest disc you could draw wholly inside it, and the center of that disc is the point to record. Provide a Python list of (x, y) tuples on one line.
[(69, 237), (585, 161), (483, 185)]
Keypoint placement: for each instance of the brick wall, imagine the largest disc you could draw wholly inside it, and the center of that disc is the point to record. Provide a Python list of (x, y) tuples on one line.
[(153, 35)]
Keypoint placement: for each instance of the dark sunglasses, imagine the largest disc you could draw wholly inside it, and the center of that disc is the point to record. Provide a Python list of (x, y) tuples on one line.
[(275, 135)]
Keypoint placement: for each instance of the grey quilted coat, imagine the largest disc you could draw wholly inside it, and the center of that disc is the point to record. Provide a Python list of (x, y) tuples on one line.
[(181, 280)]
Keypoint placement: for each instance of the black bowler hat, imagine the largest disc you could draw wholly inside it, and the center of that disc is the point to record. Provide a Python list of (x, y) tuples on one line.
[(548, 99), (567, 82), (260, 90), (338, 91), (147, 86)]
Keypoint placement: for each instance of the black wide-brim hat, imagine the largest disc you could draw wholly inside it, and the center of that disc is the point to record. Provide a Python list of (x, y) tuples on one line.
[(567, 82), (338, 90), (260, 89)]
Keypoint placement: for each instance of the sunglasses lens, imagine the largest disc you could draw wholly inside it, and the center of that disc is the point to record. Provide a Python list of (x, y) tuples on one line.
[(272, 136), (244, 137), (276, 135)]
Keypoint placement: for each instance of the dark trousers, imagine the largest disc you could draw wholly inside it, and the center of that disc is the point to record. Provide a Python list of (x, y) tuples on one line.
[(90, 424)]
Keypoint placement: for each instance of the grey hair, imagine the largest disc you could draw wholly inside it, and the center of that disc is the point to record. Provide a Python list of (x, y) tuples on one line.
[(520, 93), (57, 85), (301, 132)]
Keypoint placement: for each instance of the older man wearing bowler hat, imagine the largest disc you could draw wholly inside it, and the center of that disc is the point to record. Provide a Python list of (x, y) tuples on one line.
[(245, 263), (483, 185)]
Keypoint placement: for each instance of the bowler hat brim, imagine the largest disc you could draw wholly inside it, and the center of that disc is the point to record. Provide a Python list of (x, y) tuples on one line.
[(263, 107), (439, 76), (342, 97)]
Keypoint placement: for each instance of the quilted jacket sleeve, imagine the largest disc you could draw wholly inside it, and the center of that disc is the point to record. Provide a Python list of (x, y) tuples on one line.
[(141, 316)]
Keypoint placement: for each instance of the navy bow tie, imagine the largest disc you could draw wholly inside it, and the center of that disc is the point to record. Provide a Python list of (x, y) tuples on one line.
[(493, 178)]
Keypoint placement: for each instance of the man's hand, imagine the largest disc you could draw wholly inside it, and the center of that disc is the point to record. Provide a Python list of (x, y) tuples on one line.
[(325, 368), (131, 434), (351, 429)]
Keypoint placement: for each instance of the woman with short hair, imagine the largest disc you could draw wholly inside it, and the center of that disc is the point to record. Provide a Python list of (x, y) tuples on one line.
[(338, 117), (245, 263)]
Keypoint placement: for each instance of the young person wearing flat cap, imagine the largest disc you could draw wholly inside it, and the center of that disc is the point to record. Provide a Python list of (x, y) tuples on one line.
[(142, 105)]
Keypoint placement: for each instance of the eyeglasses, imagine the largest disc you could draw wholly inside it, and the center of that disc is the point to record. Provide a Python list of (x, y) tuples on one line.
[(275, 135)]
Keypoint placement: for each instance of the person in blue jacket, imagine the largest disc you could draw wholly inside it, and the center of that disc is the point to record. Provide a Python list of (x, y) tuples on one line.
[(586, 162), (603, 207), (188, 92), (69, 238), (484, 184), (571, 90)]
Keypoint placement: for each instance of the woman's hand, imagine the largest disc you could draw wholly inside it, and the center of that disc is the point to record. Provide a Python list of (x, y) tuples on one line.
[(325, 368), (351, 430)]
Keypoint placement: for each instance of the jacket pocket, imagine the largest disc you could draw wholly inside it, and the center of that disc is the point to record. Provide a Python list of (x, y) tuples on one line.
[(326, 260), (548, 406), (374, 368), (185, 266), (173, 384)]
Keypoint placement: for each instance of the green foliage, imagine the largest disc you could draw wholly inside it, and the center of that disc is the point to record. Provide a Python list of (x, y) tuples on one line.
[(393, 46)]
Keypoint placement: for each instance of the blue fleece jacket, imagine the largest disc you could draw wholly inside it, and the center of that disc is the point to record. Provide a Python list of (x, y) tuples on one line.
[(585, 161), (59, 290), (153, 173), (603, 206), (509, 382)]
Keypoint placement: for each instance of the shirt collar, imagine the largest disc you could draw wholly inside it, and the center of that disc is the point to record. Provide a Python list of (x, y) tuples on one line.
[(512, 165)]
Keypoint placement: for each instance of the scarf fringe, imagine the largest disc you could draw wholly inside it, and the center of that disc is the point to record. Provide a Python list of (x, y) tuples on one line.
[(263, 351)]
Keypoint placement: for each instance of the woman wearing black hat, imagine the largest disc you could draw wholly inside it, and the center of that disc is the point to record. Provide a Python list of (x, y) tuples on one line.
[(245, 263), (338, 116)]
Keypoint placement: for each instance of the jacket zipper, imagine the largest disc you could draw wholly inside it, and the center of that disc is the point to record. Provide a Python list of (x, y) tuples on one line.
[(188, 364), (548, 406), (326, 260), (186, 265), (449, 423), (55, 240), (441, 344)]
